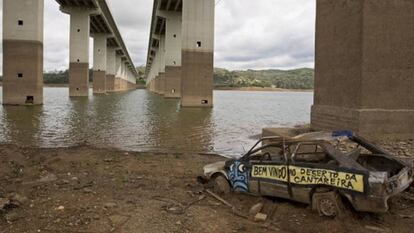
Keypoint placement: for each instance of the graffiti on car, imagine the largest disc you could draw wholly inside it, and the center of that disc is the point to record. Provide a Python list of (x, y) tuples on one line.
[(238, 176), (346, 180)]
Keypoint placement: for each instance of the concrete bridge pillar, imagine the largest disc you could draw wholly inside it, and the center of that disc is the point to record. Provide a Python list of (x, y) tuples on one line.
[(156, 72), (23, 52), (172, 54), (151, 77), (79, 51), (161, 67), (110, 69), (99, 63), (123, 75), (197, 53), (118, 66), (364, 67)]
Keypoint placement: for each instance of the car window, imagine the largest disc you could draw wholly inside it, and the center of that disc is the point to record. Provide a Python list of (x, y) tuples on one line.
[(312, 153), (269, 153)]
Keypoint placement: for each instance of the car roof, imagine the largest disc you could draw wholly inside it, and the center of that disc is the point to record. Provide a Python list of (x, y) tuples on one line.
[(323, 138)]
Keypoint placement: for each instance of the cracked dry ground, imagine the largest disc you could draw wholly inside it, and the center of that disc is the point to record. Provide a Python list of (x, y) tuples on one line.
[(91, 190)]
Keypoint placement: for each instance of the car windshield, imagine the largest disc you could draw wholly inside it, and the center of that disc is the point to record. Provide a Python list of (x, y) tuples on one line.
[(273, 151), (310, 152)]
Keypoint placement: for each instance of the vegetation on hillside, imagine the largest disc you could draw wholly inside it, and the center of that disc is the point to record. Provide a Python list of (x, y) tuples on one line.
[(141, 73), (286, 79)]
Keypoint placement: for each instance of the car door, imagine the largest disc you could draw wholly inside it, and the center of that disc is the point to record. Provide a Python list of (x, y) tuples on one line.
[(269, 172), (309, 166)]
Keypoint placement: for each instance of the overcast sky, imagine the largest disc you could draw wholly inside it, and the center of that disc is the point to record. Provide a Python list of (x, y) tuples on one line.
[(250, 34)]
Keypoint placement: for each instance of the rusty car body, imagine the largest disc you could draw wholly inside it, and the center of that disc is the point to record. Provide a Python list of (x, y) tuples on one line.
[(313, 169)]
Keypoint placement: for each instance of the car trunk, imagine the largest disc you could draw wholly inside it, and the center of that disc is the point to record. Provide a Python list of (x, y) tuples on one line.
[(381, 163)]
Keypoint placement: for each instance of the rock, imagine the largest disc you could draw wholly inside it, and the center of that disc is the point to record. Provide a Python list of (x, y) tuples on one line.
[(118, 219), (12, 217), (409, 153), (377, 229), (109, 160), (87, 190), (175, 210), (110, 205), (4, 202), (256, 209), (63, 182), (406, 215), (61, 208), (18, 200), (260, 217), (49, 177)]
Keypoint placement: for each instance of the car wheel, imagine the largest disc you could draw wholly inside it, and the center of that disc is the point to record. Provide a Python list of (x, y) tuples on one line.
[(221, 185), (328, 204)]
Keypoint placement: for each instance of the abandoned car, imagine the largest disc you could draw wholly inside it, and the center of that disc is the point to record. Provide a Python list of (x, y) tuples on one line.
[(316, 170)]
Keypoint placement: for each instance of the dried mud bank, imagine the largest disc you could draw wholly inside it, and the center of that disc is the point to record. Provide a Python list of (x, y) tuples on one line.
[(91, 190)]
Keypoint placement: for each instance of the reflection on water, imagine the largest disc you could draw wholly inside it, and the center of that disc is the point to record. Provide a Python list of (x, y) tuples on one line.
[(142, 121)]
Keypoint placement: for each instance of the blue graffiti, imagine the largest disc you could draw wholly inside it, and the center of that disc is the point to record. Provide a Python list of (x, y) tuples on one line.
[(238, 177)]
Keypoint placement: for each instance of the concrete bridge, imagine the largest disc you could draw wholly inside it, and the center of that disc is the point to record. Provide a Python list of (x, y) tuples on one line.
[(113, 69), (364, 64), (181, 50)]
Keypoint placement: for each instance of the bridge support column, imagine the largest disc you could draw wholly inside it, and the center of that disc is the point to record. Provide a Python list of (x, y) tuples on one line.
[(79, 52), (161, 65), (118, 66), (153, 85), (23, 52), (363, 70), (123, 76), (99, 63), (172, 76), (156, 84), (111, 69), (155, 69), (149, 86), (197, 53)]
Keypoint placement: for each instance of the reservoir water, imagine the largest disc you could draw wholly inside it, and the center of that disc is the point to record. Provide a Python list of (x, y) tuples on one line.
[(142, 121)]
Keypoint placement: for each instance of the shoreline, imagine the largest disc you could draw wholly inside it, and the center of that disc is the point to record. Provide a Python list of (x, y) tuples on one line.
[(67, 85), (245, 89), (261, 89)]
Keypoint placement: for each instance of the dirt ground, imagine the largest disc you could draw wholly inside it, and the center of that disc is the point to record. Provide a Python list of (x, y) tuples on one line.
[(90, 190)]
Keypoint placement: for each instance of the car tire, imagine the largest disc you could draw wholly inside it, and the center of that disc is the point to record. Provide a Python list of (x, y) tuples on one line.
[(328, 204), (221, 185)]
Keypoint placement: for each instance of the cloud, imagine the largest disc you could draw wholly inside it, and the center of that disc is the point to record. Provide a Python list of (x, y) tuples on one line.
[(248, 34), (265, 34)]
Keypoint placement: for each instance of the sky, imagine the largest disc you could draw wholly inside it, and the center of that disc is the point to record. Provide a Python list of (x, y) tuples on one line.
[(259, 34)]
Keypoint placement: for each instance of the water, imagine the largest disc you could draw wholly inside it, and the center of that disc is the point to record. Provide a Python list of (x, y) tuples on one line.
[(141, 121)]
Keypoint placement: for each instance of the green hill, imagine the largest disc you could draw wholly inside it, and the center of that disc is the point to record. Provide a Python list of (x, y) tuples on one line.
[(286, 79)]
